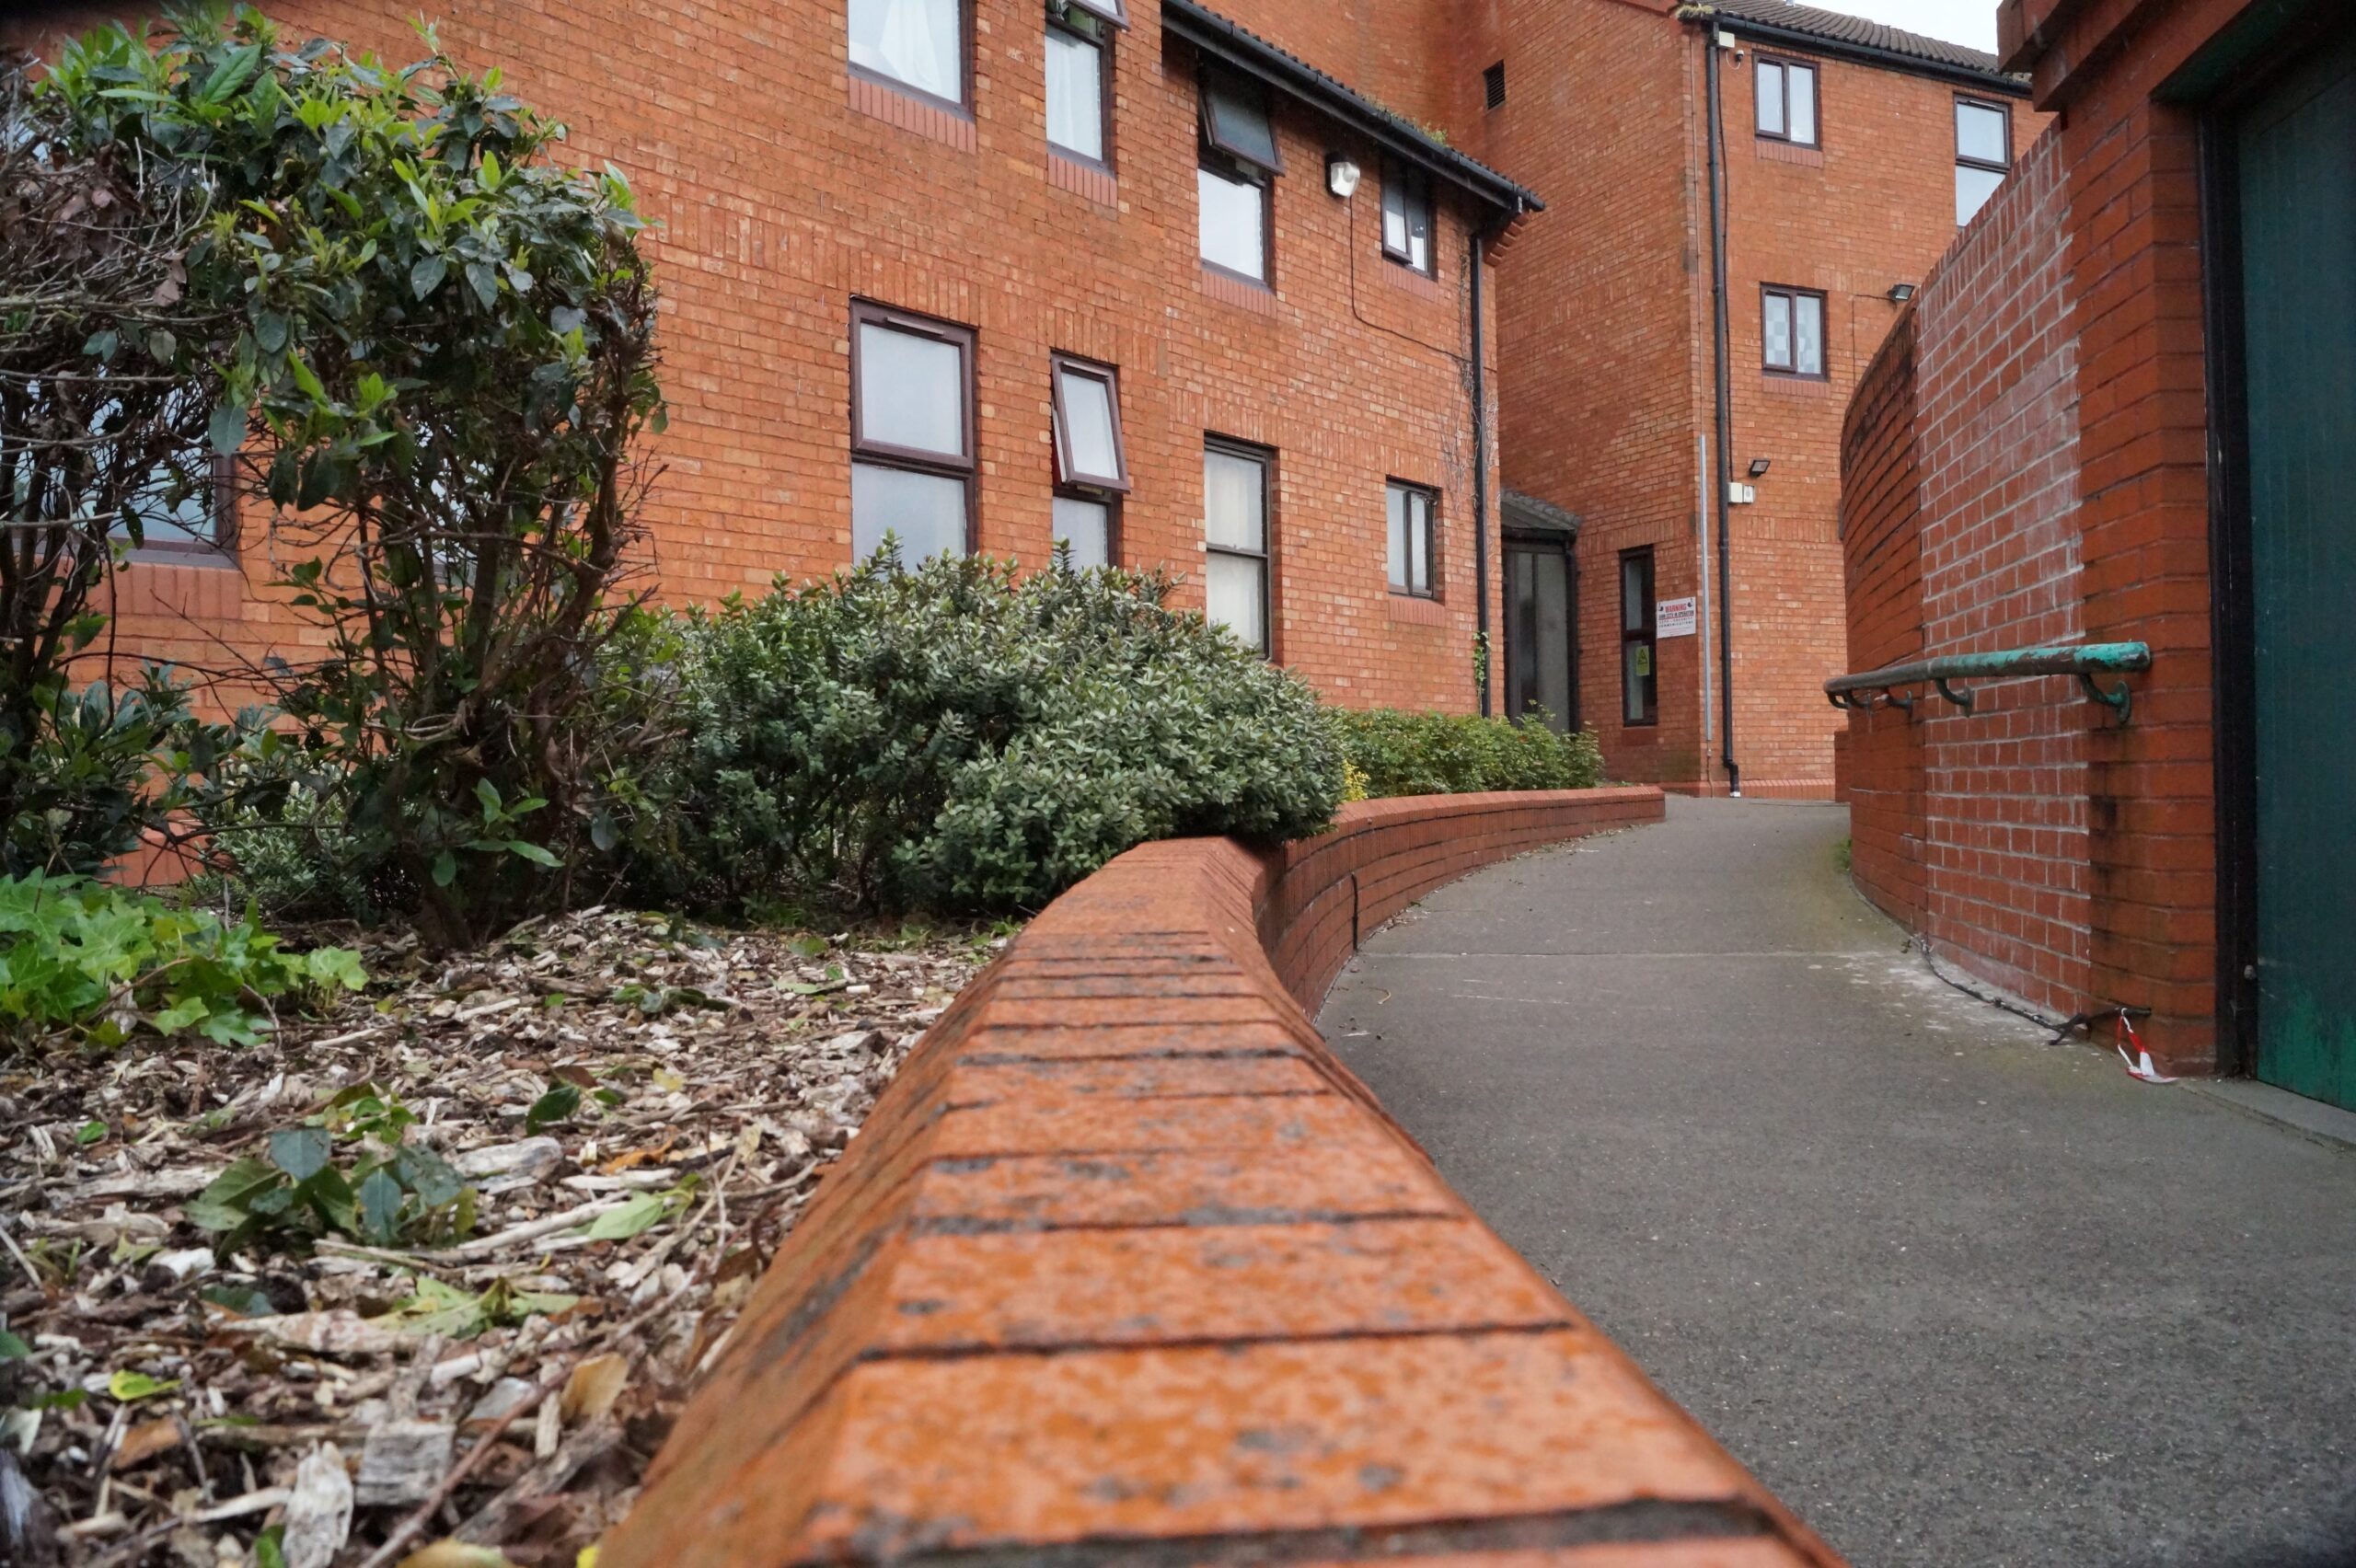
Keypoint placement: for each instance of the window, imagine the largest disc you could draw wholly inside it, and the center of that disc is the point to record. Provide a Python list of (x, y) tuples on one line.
[(1233, 181), (912, 432), (1791, 331), (1493, 85), (1983, 154), (1407, 217), (1639, 681), (919, 45), (1410, 550), (1091, 467), (1088, 426), (1235, 529), (1080, 83), (1787, 101), (188, 507)]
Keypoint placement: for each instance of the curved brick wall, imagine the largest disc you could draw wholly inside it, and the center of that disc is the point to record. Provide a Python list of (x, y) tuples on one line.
[(1127, 1268)]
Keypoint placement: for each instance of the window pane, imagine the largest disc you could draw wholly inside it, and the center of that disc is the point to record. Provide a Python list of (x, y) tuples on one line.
[(1972, 188), (1803, 88), (1778, 329), (1075, 96), (1636, 675), (914, 41), (1089, 526), (1238, 118), (1394, 216), (1234, 502), (1088, 418), (175, 507), (1632, 594), (926, 510), (1395, 530), (1419, 542), (1980, 133), (911, 391), (1233, 597), (1419, 229), (1231, 218), (1771, 98), (1809, 356)]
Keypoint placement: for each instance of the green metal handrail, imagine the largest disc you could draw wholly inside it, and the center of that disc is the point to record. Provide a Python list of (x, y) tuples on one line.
[(2085, 662)]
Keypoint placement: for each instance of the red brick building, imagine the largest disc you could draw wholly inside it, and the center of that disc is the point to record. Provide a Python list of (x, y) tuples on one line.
[(1839, 174), (986, 272), (2117, 413)]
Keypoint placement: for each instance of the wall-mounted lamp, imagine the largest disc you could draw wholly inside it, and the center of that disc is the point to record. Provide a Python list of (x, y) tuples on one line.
[(1758, 467), (1901, 293), (1341, 175)]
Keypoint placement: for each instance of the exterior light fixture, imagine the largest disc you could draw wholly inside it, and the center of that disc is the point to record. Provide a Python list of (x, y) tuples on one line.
[(1758, 467), (1901, 293), (1341, 175)]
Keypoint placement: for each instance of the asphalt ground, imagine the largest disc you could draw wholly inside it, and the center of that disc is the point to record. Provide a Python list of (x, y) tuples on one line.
[(1956, 1294)]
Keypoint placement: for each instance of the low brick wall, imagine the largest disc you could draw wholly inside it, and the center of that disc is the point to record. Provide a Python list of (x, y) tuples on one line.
[(1127, 1268)]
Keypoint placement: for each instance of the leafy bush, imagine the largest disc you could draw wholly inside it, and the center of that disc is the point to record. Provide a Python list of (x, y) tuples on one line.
[(1399, 752), (949, 737), (387, 1191), (441, 353), (102, 962)]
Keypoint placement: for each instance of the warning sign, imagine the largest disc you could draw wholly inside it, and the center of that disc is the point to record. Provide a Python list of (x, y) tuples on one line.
[(1674, 618)]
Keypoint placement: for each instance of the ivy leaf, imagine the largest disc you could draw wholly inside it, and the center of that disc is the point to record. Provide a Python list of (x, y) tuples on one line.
[(380, 1206), (485, 283), (162, 346), (428, 1175), (557, 1105), (301, 1152), (89, 1133), (227, 1200), (426, 273)]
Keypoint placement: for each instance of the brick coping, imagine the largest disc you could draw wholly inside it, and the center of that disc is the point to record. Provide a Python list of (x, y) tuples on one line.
[(1127, 1267)]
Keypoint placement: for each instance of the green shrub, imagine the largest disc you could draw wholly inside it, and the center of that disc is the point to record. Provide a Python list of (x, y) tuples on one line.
[(102, 962), (1400, 753), (951, 737)]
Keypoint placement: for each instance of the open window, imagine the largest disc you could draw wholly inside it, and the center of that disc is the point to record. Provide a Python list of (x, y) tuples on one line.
[(912, 432), (1235, 175), (1092, 467), (1407, 216)]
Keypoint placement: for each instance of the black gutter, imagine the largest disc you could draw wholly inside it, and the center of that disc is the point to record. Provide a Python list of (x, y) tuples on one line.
[(1480, 473), (1254, 56), (1991, 81), (1725, 423)]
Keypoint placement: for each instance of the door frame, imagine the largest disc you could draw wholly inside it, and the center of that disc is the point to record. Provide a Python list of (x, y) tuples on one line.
[(1507, 540), (2255, 67)]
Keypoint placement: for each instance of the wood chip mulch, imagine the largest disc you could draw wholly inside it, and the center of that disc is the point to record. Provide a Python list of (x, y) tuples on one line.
[(457, 1404)]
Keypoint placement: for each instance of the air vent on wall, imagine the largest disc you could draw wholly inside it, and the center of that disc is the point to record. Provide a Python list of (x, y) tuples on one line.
[(1493, 84)]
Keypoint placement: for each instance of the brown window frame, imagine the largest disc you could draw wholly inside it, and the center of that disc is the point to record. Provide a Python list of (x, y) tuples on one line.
[(1788, 63), (1061, 364), (1214, 82), (1265, 457), (1956, 122), (1645, 633), (1058, 20), (1411, 182), (1430, 498), (222, 509), (963, 109), (1824, 332), (1114, 11), (887, 455)]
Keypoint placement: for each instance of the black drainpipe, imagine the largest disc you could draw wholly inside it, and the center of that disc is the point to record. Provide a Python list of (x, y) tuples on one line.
[(1480, 473), (1726, 420)]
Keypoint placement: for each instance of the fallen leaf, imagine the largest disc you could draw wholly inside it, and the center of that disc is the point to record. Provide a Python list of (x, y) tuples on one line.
[(456, 1554), (143, 1442), (402, 1461), (594, 1387)]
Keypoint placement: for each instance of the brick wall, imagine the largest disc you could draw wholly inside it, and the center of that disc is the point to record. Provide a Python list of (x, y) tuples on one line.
[(1128, 1265), (1961, 484), (784, 191)]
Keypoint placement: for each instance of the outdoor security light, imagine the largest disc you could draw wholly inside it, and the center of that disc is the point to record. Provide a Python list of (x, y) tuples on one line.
[(1758, 467), (1341, 175), (1901, 293)]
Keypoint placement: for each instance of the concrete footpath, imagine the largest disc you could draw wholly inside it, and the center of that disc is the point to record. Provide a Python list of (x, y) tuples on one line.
[(1958, 1295)]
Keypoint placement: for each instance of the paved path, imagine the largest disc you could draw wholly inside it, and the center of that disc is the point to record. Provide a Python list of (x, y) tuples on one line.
[(1958, 1295)]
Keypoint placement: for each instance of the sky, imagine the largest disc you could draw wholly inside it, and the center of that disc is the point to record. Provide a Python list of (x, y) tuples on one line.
[(1971, 22)]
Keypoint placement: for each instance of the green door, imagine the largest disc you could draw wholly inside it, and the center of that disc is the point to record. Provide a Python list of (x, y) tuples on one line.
[(2297, 160)]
